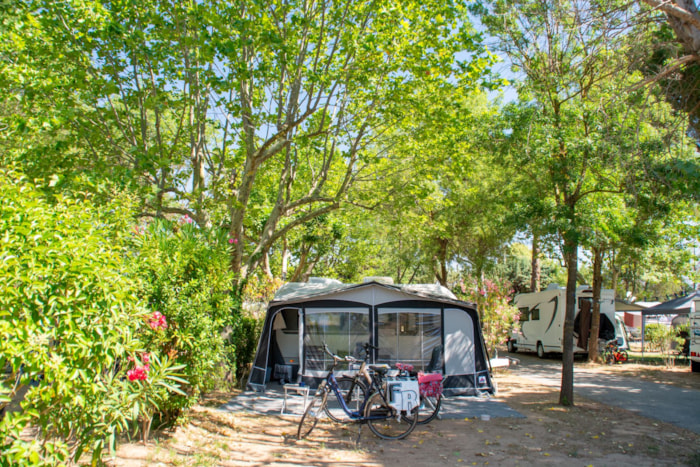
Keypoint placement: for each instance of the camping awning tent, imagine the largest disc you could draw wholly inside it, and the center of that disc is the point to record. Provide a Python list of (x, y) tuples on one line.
[(675, 306), (424, 325)]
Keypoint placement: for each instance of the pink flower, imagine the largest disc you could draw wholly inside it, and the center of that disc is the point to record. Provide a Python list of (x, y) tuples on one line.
[(140, 373), (233, 240), (157, 321)]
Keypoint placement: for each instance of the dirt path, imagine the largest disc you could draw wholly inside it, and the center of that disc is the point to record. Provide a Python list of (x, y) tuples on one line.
[(588, 434)]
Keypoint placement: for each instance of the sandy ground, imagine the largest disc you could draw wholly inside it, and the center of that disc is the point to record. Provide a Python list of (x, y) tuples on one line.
[(589, 434)]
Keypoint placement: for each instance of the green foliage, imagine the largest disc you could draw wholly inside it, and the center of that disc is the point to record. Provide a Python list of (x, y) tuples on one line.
[(69, 319), (184, 275), (246, 343), (663, 339), (492, 298)]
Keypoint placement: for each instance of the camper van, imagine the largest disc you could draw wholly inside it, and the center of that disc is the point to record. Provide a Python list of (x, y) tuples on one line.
[(541, 325), (694, 320)]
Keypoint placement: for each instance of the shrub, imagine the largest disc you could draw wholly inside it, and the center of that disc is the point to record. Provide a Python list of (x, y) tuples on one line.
[(663, 339), (184, 277), (497, 316), (70, 319)]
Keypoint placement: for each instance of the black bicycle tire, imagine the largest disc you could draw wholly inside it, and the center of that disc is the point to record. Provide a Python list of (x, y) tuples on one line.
[(429, 416), (310, 418), (608, 357), (344, 383), (376, 404)]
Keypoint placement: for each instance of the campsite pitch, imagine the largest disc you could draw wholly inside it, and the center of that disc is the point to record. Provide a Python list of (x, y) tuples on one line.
[(588, 434)]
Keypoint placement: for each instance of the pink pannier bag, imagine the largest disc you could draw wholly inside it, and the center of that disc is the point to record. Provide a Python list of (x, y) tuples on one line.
[(430, 384)]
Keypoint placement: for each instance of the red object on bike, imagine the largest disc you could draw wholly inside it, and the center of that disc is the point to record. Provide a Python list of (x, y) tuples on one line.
[(404, 367), (430, 384)]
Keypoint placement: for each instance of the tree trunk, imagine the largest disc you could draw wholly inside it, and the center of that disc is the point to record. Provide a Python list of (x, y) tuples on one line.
[(266, 265), (285, 258), (535, 276), (595, 317), (566, 395), (614, 272), (441, 260)]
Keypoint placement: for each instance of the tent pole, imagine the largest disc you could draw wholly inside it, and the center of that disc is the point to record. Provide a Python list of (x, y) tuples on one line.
[(643, 334)]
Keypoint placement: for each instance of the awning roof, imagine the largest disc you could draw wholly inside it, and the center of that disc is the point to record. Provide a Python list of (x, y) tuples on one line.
[(673, 307), (299, 291)]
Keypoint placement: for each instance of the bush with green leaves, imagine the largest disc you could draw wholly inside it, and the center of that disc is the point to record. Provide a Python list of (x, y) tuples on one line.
[(663, 339), (184, 275), (69, 320), (497, 315)]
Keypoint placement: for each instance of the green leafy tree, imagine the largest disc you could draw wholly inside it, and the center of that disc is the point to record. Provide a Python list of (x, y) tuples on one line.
[(256, 118), (561, 132)]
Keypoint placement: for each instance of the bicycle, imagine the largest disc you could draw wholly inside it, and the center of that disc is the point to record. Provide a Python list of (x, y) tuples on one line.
[(390, 409), (612, 353), (354, 388)]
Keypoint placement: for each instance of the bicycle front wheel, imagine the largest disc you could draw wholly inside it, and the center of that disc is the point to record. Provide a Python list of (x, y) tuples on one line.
[(354, 394), (429, 409), (313, 412), (387, 422)]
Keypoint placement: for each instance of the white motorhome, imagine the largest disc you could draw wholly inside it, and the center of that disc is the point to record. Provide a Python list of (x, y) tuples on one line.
[(694, 321), (541, 325)]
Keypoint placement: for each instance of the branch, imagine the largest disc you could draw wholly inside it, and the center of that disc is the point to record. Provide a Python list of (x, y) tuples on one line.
[(674, 10), (667, 70)]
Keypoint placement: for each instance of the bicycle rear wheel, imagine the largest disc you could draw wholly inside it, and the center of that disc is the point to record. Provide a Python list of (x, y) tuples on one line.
[(387, 422), (429, 409), (353, 392), (608, 357), (313, 412)]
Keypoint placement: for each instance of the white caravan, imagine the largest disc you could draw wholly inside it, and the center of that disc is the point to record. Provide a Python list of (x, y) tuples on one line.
[(541, 325), (694, 320)]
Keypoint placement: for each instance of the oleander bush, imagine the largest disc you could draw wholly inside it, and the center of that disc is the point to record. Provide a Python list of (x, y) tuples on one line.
[(184, 276), (70, 321), (492, 300)]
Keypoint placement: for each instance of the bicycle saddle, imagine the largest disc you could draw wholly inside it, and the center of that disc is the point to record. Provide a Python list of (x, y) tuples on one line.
[(381, 369)]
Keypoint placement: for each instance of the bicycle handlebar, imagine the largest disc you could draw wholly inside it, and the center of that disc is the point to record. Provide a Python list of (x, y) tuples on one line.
[(347, 358)]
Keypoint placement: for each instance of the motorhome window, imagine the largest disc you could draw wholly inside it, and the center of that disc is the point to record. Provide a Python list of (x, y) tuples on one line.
[(524, 314), (535, 314), (408, 335), (344, 330)]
